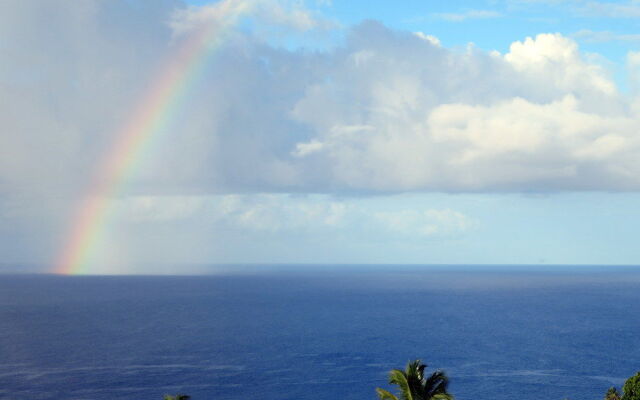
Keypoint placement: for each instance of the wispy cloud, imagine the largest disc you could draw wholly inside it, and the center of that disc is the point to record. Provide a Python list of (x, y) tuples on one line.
[(467, 15), (629, 9), (605, 36), (432, 222), (280, 213), (586, 8)]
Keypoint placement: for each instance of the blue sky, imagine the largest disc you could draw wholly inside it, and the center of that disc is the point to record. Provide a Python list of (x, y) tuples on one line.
[(606, 28), (458, 132)]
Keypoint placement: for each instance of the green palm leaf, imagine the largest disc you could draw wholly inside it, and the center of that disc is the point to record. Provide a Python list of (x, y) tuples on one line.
[(412, 384), (385, 395), (397, 377)]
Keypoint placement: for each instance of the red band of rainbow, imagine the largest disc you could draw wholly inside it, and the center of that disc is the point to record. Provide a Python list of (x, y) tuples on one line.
[(153, 113)]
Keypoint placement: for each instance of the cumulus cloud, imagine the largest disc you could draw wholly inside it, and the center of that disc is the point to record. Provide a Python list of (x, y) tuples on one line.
[(537, 118), (385, 111), (381, 112)]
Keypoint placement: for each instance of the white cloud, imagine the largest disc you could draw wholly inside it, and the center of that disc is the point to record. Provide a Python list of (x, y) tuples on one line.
[(383, 111), (518, 140), (540, 117), (429, 38), (276, 213), (431, 222), (143, 209), (186, 19), (285, 214), (268, 228), (629, 9), (556, 62), (590, 36), (289, 14), (633, 68), (386, 111), (304, 149), (466, 15), (590, 8)]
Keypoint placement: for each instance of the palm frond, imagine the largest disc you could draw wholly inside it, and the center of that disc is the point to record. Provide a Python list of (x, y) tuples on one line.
[(413, 385), (414, 368), (397, 377), (436, 383), (385, 395), (442, 396), (415, 379)]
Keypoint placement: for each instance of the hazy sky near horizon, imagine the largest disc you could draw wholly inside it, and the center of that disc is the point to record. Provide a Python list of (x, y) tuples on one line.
[(327, 131)]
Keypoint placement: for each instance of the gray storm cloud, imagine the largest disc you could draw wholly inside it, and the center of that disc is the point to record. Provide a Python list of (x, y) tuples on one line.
[(384, 111)]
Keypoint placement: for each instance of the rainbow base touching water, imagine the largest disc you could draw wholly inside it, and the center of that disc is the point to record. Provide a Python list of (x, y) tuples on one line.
[(154, 114)]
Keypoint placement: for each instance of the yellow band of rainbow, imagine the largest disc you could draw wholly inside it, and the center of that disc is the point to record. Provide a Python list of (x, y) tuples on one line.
[(154, 113)]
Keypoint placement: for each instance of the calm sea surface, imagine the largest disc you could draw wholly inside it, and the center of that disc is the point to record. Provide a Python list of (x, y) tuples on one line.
[(326, 333)]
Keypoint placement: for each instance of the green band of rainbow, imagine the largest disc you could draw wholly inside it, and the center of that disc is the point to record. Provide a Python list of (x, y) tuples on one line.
[(154, 113)]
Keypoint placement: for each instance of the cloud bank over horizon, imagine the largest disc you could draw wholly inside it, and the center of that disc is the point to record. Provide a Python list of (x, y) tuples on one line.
[(295, 122), (384, 111)]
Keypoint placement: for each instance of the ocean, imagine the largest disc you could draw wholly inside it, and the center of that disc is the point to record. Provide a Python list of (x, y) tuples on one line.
[(318, 332)]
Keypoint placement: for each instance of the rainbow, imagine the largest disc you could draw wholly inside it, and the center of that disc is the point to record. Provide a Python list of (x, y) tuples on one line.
[(154, 113)]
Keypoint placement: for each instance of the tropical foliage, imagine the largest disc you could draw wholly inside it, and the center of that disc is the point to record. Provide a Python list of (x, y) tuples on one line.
[(612, 394), (412, 384), (631, 388)]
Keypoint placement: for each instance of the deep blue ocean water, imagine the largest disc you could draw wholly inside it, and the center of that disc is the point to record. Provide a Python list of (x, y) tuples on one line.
[(320, 333)]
